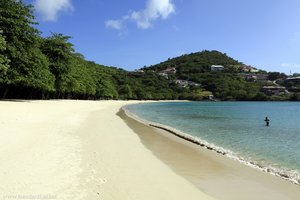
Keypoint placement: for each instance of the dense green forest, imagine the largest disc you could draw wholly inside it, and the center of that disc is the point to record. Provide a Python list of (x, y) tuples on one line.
[(35, 67)]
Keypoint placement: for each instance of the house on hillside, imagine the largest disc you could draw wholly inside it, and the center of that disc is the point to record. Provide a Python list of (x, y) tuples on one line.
[(169, 71), (293, 79), (254, 70), (217, 68), (245, 68), (293, 83), (273, 90), (163, 75), (139, 71), (185, 83), (261, 77), (248, 68), (254, 77), (250, 77)]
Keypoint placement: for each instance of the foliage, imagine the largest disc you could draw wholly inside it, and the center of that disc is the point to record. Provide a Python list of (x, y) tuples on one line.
[(196, 62), (295, 97), (59, 52), (35, 67), (4, 62), (224, 85), (276, 75), (28, 66)]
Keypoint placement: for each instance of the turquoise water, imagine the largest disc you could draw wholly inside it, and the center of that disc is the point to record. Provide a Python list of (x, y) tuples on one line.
[(238, 127)]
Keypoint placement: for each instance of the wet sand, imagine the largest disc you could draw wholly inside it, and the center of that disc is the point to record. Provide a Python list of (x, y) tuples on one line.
[(216, 175)]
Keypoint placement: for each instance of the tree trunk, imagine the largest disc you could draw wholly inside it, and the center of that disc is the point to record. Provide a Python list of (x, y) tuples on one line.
[(5, 92)]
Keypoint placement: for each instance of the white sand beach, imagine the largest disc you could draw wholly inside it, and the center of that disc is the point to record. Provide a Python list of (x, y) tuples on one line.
[(80, 150), (219, 176)]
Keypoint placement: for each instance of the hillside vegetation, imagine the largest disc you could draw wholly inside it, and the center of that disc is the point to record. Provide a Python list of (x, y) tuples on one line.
[(34, 67), (225, 85), (197, 62)]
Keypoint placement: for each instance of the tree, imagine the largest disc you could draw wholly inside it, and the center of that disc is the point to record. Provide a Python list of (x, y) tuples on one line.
[(106, 89), (37, 76), (16, 20), (4, 61), (80, 80), (36, 67), (59, 52), (125, 92), (28, 66), (276, 75)]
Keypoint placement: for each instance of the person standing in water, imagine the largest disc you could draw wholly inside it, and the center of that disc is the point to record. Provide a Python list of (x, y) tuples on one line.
[(267, 121)]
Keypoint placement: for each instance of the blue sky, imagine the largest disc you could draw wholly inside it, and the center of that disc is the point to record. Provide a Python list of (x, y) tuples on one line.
[(131, 34)]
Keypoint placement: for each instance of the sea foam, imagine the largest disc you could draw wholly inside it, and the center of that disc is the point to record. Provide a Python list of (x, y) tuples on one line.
[(292, 176)]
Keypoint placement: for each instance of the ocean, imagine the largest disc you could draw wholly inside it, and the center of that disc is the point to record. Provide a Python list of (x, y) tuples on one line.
[(237, 130)]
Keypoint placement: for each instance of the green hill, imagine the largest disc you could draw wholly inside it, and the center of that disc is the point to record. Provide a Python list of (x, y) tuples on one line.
[(197, 62), (196, 67), (35, 67)]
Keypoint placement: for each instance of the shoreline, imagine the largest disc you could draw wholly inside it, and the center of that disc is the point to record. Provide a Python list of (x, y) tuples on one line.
[(80, 150), (217, 153), (288, 175)]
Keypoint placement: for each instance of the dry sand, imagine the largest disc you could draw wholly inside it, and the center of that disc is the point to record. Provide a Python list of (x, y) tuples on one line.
[(80, 150)]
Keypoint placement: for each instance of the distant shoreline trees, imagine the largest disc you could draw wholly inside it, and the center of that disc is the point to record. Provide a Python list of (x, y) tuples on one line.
[(34, 67)]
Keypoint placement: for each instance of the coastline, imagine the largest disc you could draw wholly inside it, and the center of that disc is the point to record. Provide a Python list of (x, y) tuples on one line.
[(64, 149), (252, 182)]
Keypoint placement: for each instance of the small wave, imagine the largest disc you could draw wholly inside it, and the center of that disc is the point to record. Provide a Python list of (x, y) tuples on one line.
[(290, 175)]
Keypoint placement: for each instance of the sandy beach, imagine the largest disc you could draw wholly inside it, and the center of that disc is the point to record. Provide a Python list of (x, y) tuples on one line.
[(92, 150), (215, 174), (80, 150)]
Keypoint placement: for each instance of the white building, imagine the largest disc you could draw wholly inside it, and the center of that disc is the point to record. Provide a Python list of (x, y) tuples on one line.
[(217, 68), (169, 70)]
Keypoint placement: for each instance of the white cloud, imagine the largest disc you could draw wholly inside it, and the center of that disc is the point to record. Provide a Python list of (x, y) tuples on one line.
[(115, 24), (155, 9), (49, 9)]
